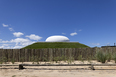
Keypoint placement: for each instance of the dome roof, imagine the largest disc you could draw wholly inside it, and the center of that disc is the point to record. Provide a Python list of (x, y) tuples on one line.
[(57, 38)]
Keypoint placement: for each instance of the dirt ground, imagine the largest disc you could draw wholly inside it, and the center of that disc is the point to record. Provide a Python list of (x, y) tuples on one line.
[(58, 71)]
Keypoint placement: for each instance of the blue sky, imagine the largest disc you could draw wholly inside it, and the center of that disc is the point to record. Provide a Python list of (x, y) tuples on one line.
[(91, 22)]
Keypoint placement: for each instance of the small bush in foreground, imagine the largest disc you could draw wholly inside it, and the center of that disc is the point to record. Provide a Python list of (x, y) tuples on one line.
[(22, 59), (5, 60), (114, 57), (13, 60), (70, 60), (101, 56), (56, 59), (64, 58), (109, 56), (1, 61)]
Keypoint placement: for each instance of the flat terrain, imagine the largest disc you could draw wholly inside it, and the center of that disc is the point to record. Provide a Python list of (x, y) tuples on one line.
[(56, 73), (59, 71)]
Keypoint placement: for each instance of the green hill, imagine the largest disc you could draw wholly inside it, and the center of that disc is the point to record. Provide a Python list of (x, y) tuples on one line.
[(38, 45)]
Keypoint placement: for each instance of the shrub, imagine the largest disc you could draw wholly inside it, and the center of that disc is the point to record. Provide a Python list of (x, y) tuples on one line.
[(22, 59), (80, 57), (101, 56), (70, 60), (56, 59), (13, 60), (33, 59), (1, 61), (114, 57), (37, 59), (5, 60), (64, 58), (89, 59), (109, 56), (44, 58)]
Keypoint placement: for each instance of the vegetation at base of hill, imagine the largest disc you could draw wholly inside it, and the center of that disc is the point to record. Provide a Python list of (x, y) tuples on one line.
[(55, 45)]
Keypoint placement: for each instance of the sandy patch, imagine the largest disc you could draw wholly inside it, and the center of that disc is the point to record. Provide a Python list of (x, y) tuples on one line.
[(58, 71)]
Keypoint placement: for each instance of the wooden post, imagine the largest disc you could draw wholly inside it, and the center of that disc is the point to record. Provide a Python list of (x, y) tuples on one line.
[(21, 67), (92, 67)]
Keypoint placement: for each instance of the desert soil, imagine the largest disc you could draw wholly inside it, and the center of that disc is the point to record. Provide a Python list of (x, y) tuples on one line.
[(59, 71)]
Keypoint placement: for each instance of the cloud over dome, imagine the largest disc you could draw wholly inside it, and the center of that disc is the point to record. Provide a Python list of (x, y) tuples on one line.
[(17, 34), (34, 37)]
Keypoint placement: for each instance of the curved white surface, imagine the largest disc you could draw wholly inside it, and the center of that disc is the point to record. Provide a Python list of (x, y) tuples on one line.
[(57, 39)]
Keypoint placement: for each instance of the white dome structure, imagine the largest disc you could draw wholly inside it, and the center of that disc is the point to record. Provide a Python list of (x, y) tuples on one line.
[(57, 38)]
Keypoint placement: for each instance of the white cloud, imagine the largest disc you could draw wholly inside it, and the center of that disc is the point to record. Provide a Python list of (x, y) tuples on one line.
[(96, 44), (17, 47), (17, 34), (5, 41), (64, 33), (108, 44), (15, 43), (21, 42), (17, 40), (34, 37), (72, 34), (27, 43), (1, 46), (11, 29), (80, 30), (1, 41), (5, 25), (6, 46)]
